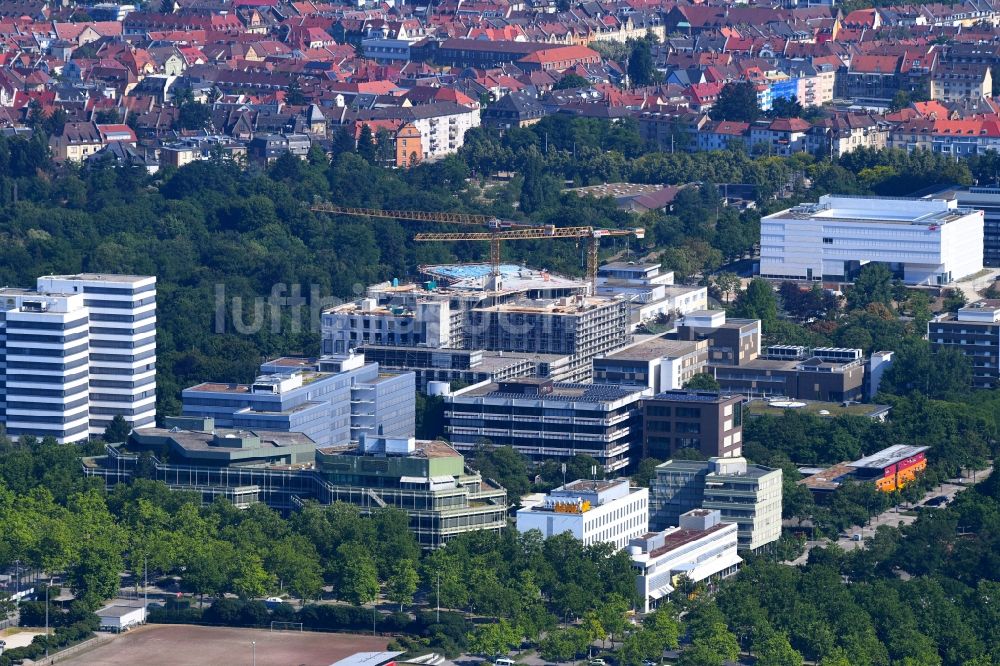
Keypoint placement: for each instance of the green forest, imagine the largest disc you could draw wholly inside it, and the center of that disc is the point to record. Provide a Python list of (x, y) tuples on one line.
[(219, 231)]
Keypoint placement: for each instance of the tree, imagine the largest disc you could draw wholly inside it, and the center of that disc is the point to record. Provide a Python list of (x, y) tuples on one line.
[(366, 144), (194, 116), (663, 627), (641, 71), (757, 302), (942, 374), (872, 285), (251, 579), (728, 283), (296, 563), (403, 582), (593, 627), (118, 430), (358, 579), (646, 472), (494, 638), (702, 381), (737, 102), (785, 107), (343, 141), (571, 80), (503, 464), (900, 101), (954, 299), (294, 95), (775, 650)]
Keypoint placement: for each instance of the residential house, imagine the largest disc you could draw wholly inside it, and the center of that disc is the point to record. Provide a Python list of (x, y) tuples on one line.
[(781, 136), (958, 81), (722, 135), (516, 109), (76, 143)]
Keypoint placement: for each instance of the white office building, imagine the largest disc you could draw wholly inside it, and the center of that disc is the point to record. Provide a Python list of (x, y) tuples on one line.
[(122, 344), (650, 293), (701, 548), (924, 242), (44, 373), (591, 511)]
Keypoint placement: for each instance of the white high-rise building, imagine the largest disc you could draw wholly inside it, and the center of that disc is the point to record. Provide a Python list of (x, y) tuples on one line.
[(924, 242), (122, 344), (45, 366)]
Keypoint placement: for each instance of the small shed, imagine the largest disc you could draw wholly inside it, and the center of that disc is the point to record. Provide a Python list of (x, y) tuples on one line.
[(118, 618)]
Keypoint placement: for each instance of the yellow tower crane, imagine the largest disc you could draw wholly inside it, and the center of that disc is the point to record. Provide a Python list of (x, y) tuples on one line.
[(499, 231)]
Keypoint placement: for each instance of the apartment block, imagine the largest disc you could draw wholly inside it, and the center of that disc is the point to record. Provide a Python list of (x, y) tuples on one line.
[(705, 421), (701, 548), (923, 242), (333, 400), (591, 511), (975, 331), (45, 367), (659, 364), (544, 419), (961, 81), (745, 494), (122, 344)]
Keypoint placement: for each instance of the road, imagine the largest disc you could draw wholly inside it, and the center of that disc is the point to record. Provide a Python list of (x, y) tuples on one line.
[(893, 518)]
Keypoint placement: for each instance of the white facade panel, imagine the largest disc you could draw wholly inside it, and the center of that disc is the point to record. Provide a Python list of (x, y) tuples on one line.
[(929, 241)]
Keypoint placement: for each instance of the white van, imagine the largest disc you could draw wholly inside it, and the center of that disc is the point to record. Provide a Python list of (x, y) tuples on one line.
[(504, 661)]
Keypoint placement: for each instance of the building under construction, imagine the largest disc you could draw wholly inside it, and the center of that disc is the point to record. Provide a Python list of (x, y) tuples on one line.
[(525, 312)]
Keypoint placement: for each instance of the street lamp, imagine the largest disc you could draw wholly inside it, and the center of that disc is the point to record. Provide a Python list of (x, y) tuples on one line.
[(47, 583), (253, 647)]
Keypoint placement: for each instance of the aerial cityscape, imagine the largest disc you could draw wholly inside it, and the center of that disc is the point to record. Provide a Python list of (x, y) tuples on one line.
[(500, 333)]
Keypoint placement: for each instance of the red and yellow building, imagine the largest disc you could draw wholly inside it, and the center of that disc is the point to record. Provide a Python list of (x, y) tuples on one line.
[(892, 468)]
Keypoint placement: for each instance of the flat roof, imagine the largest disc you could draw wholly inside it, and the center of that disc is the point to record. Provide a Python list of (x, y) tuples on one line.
[(293, 362), (100, 277), (647, 350), (682, 395), (561, 392), (195, 440), (515, 277), (682, 537), (552, 306), (616, 190), (630, 265), (116, 610), (367, 659), (219, 387), (881, 210), (424, 448), (888, 456), (588, 485), (829, 478)]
